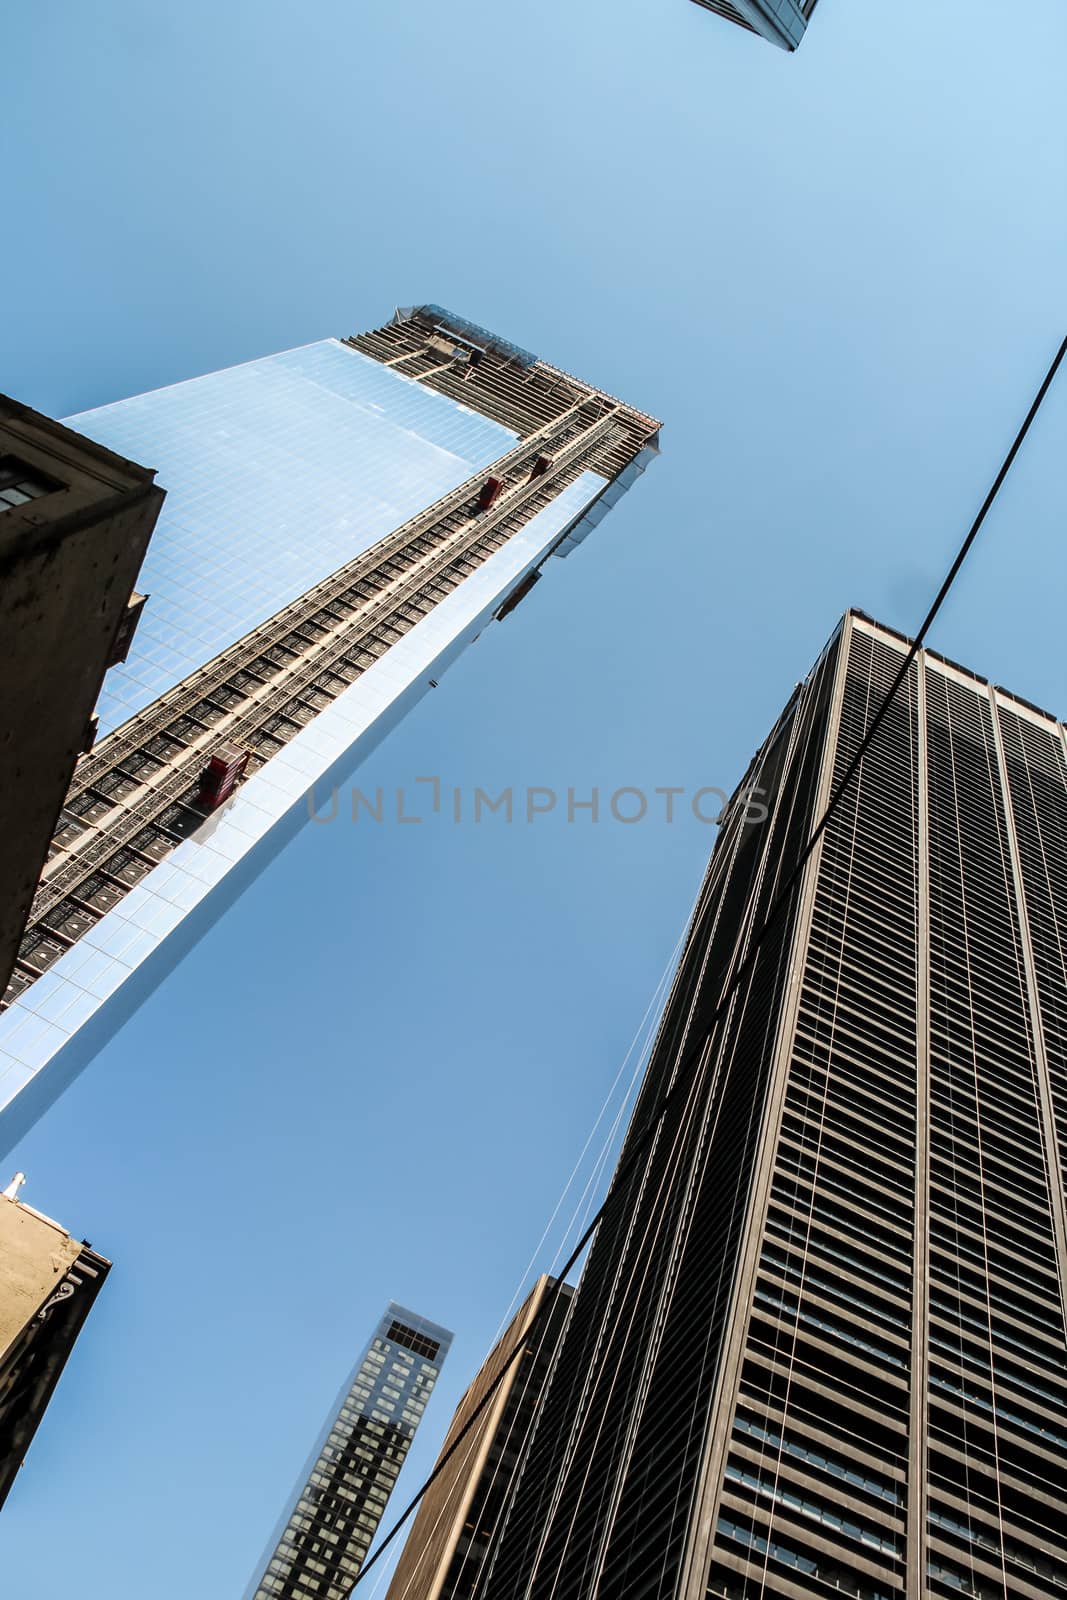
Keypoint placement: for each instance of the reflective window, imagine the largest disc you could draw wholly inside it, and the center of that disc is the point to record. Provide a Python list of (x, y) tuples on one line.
[(20, 483), (814, 1509)]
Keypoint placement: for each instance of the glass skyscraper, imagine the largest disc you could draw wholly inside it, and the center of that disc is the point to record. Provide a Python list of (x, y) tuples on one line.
[(819, 1344), (324, 1536), (781, 21), (341, 520)]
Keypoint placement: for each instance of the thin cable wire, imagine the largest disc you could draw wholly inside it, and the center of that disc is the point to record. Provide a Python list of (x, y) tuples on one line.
[(641, 1140), (639, 1047)]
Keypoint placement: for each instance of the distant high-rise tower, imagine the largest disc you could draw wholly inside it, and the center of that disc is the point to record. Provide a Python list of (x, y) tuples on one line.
[(324, 1537), (781, 21), (341, 520), (48, 1283), (819, 1345), (443, 1555)]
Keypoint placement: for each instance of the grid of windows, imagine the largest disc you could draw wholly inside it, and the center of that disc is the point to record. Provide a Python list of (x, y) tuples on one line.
[(414, 1341), (324, 1541)]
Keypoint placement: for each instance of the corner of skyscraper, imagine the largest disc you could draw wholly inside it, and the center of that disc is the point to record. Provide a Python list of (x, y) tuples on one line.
[(782, 22)]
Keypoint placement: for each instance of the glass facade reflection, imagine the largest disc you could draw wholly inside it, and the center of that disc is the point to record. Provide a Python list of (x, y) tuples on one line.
[(323, 1539), (341, 521), (277, 472)]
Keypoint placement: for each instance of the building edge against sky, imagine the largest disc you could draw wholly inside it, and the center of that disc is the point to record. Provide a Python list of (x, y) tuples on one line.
[(445, 1547), (446, 465), (321, 1541)]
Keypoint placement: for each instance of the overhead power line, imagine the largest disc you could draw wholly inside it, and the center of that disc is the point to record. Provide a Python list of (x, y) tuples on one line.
[(641, 1140)]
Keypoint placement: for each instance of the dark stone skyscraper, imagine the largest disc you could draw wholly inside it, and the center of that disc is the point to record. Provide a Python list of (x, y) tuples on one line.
[(781, 21), (819, 1345)]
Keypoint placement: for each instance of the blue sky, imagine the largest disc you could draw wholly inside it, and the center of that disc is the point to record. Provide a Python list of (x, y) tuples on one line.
[(838, 278)]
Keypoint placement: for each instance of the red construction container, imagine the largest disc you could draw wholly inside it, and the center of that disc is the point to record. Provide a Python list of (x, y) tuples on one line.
[(491, 491), (219, 777)]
